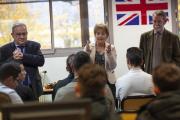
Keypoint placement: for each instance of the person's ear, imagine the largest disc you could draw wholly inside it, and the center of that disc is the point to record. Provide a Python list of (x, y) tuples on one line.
[(127, 60), (104, 91), (77, 90), (67, 67), (12, 34), (8, 81), (166, 20), (128, 63), (156, 90)]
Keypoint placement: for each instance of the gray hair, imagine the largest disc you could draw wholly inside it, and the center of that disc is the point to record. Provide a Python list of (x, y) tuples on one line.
[(16, 25), (160, 13)]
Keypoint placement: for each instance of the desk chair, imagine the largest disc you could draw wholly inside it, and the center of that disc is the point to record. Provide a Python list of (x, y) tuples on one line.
[(51, 115), (133, 103), (128, 115), (4, 98)]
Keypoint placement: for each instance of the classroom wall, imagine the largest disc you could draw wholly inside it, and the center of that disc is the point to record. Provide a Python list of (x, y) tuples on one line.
[(124, 37), (129, 35), (55, 68)]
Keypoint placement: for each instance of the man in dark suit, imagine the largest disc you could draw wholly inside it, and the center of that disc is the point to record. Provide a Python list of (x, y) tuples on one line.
[(29, 53), (159, 45)]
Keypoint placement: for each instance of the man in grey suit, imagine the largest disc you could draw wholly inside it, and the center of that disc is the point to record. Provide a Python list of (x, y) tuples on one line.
[(159, 45), (29, 53)]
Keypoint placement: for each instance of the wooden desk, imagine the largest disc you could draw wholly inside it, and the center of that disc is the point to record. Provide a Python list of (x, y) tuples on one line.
[(46, 95), (47, 91)]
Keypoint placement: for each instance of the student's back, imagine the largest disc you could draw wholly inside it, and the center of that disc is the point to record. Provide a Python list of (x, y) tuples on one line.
[(166, 106)]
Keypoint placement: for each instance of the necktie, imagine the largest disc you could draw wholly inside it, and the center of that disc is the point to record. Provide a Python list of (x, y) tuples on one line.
[(21, 48), (157, 50), (26, 82)]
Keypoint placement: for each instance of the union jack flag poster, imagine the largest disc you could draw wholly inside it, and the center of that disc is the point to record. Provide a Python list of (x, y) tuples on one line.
[(138, 12)]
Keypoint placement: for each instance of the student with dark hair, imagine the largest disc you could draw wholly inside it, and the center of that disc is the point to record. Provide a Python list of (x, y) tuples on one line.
[(166, 106), (81, 58), (67, 92), (68, 79), (92, 80), (136, 81), (9, 80), (23, 91)]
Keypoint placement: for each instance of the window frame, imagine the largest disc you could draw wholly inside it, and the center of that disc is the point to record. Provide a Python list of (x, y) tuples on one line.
[(84, 25), (84, 19), (174, 13)]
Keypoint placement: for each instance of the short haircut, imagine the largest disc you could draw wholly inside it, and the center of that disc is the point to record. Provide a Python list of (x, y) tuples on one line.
[(69, 63), (160, 13), (92, 79), (167, 77), (81, 58), (16, 25), (135, 56), (9, 69), (70, 59), (102, 27)]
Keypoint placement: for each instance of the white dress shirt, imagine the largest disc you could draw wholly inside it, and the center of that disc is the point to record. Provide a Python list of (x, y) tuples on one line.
[(135, 82), (15, 98)]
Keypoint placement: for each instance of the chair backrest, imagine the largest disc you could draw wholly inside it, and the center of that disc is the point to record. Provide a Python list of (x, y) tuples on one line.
[(133, 103), (4, 98), (41, 111), (128, 115), (76, 114)]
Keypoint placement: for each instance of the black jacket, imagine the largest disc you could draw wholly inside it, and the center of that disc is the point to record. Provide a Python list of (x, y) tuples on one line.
[(25, 93), (166, 106)]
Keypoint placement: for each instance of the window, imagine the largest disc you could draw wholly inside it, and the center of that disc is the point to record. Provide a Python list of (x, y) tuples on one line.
[(58, 25), (34, 14), (178, 19), (67, 29), (96, 15)]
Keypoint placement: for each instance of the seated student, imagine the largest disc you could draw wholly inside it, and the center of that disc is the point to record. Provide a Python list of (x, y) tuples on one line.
[(8, 81), (68, 79), (67, 92), (136, 81), (91, 83), (166, 105), (23, 91)]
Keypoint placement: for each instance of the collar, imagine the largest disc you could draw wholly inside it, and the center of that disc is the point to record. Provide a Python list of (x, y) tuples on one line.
[(159, 32), (19, 45), (135, 69)]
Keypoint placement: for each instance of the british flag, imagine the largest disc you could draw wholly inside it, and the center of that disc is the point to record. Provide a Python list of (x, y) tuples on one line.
[(138, 12)]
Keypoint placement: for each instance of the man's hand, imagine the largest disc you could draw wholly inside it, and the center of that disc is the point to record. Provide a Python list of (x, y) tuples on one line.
[(17, 54)]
